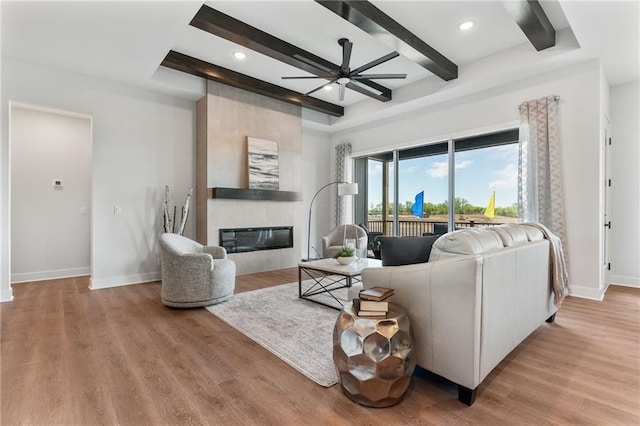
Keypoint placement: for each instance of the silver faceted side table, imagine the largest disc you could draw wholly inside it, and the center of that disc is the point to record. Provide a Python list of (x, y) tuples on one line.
[(374, 357)]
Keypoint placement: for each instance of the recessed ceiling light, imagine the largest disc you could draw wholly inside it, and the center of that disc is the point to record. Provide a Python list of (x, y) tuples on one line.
[(239, 55), (328, 87), (466, 25)]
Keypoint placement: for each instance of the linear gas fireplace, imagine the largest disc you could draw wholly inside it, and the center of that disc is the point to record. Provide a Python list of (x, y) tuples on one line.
[(241, 240)]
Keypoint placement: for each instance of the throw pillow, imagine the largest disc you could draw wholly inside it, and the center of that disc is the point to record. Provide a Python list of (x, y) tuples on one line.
[(397, 251)]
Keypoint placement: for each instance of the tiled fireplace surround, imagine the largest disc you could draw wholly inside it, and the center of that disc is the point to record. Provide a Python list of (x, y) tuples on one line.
[(226, 116)]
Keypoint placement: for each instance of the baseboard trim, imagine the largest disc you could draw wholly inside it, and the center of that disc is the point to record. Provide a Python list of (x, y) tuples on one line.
[(589, 293), (100, 283), (624, 281), (6, 296), (49, 275)]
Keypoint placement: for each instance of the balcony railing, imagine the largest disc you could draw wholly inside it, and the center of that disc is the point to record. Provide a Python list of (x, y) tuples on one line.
[(417, 227)]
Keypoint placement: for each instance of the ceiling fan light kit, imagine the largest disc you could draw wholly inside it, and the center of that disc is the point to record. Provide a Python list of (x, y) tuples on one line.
[(344, 76)]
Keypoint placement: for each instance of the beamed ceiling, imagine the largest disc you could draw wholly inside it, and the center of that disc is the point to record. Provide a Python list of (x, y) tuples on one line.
[(174, 47), (364, 15)]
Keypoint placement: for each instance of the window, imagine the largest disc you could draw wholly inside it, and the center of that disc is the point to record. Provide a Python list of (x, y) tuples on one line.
[(482, 166), (423, 171), (486, 171)]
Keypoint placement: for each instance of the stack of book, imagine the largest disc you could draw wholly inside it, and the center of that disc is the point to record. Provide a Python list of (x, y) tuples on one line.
[(371, 303)]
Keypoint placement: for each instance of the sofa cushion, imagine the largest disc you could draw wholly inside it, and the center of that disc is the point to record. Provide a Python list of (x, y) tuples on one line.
[(511, 234), (533, 233), (396, 251), (465, 241)]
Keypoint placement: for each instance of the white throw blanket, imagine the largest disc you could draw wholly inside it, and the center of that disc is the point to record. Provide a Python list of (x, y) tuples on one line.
[(559, 272)]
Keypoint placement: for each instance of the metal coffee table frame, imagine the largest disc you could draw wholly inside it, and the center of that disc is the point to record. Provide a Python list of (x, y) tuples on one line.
[(328, 276)]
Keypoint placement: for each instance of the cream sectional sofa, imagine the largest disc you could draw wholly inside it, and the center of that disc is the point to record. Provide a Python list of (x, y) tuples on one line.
[(483, 291)]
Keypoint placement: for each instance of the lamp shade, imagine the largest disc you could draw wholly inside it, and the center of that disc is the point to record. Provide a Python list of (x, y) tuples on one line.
[(348, 189)]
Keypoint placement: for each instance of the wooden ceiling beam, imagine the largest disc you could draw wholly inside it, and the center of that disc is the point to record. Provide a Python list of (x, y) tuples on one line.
[(372, 20), (533, 22), (181, 62), (381, 93), (229, 28)]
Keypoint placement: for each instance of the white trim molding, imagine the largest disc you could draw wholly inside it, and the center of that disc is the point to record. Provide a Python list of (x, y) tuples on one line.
[(49, 275), (623, 281), (588, 293), (118, 281), (6, 297)]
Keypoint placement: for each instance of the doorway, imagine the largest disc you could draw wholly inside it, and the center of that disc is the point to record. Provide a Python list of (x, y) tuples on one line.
[(50, 211)]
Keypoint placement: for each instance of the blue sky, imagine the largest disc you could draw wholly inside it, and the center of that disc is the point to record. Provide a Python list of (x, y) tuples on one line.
[(479, 172)]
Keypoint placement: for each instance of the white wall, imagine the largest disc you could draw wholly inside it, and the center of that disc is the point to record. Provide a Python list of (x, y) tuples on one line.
[(316, 172), (579, 90), (625, 189), (50, 227), (141, 142)]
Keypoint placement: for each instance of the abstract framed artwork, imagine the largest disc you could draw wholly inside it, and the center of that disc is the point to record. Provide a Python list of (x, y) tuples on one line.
[(263, 164)]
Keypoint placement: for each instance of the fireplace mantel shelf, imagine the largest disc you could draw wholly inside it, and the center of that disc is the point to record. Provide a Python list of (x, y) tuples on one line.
[(255, 194)]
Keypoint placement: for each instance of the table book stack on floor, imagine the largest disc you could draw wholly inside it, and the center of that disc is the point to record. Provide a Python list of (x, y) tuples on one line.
[(371, 303)]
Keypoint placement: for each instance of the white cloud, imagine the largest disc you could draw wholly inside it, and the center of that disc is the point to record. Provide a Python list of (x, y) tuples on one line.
[(410, 169), (440, 169), (505, 152), (375, 168), (463, 164), (507, 178)]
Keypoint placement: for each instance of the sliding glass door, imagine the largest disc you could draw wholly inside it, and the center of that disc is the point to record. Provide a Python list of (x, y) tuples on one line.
[(486, 180), (423, 190), (442, 186)]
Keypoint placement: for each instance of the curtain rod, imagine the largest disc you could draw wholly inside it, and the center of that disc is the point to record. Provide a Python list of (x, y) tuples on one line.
[(555, 98)]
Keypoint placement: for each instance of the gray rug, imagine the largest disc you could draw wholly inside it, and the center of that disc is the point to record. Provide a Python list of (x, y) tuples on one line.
[(297, 331)]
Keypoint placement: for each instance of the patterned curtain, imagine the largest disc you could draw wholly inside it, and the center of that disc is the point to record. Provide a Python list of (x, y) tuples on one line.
[(540, 193), (343, 174)]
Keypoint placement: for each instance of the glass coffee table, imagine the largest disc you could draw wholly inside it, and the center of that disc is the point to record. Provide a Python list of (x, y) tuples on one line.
[(328, 275)]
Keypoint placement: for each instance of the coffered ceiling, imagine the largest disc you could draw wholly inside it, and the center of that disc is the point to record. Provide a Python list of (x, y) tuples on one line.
[(298, 35), (127, 42)]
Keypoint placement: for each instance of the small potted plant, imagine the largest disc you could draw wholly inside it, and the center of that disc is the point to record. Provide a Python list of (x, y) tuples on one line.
[(345, 256)]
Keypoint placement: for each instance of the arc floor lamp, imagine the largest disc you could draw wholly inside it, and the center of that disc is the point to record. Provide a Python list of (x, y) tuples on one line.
[(344, 188)]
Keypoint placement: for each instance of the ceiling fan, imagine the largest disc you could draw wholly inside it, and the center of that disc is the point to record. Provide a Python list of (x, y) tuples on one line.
[(345, 76)]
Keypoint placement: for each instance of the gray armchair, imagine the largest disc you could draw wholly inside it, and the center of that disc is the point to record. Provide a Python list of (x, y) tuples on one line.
[(194, 275), (333, 242)]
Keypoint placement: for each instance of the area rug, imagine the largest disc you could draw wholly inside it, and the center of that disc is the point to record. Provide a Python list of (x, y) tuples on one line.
[(298, 331)]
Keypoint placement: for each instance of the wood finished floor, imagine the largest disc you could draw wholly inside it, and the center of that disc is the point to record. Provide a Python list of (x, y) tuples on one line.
[(73, 356)]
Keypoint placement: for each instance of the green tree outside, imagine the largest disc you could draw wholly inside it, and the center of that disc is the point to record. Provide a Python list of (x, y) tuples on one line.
[(460, 205)]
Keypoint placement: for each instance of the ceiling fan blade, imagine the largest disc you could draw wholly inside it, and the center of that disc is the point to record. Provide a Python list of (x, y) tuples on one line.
[(378, 76), (370, 88), (320, 87), (309, 76), (374, 63), (347, 46), (363, 88), (341, 93)]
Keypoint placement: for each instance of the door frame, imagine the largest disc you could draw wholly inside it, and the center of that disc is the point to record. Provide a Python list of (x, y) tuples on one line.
[(32, 107)]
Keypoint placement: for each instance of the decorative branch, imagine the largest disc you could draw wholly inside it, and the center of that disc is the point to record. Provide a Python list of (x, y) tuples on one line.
[(166, 216), (173, 221), (185, 212), (170, 221)]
